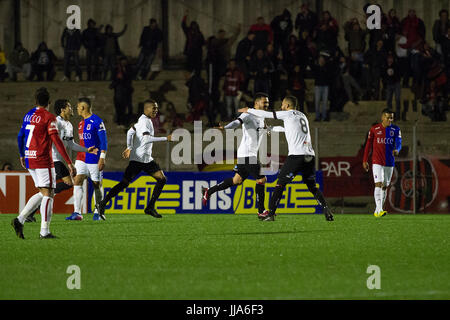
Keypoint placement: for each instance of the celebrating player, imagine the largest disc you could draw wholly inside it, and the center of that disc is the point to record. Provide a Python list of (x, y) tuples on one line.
[(301, 154), (38, 132), (64, 112), (247, 155), (140, 138), (92, 133), (385, 142)]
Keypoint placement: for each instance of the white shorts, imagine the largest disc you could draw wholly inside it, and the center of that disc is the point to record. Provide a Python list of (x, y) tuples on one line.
[(89, 169), (382, 174), (44, 178)]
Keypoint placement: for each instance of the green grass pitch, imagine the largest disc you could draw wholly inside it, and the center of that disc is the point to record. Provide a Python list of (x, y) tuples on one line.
[(229, 257)]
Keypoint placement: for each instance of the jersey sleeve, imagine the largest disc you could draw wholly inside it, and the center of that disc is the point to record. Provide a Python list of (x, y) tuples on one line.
[(21, 141), (398, 140), (262, 113), (130, 137), (369, 144), (52, 125), (102, 136)]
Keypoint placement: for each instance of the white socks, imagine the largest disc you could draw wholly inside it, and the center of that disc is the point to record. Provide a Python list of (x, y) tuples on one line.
[(98, 194), (30, 207), (77, 198), (378, 199), (383, 197), (46, 215)]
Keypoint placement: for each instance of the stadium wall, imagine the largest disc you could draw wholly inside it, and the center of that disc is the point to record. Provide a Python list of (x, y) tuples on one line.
[(44, 20)]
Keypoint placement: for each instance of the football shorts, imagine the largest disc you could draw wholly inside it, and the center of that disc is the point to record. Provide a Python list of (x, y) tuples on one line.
[(382, 174), (89, 169), (44, 178)]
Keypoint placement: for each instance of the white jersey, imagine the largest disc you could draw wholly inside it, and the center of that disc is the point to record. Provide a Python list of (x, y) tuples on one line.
[(140, 138), (65, 132), (252, 130), (296, 127)]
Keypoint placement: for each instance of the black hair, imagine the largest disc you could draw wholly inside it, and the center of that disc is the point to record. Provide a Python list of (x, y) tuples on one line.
[(42, 97), (442, 11), (292, 101), (87, 101), (151, 101), (386, 110), (260, 95), (59, 105), (152, 20)]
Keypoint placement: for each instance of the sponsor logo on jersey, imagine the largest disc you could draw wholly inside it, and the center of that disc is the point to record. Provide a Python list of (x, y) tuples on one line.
[(30, 154), (385, 140), (32, 118), (88, 127)]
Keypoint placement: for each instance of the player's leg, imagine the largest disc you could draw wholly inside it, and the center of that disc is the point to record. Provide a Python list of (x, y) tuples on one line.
[(308, 170), (46, 212), (387, 175), (96, 177), (378, 176), (260, 197), (77, 195), (287, 174), (131, 172), (155, 171)]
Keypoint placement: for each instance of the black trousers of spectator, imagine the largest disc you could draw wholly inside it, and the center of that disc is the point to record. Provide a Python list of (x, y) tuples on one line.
[(242, 65), (123, 102), (144, 63), (74, 55), (92, 63), (109, 62), (39, 71), (391, 90), (405, 69), (194, 62)]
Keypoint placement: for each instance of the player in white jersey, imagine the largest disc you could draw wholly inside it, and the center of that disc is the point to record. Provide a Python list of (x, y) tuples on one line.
[(247, 154), (140, 139), (301, 154), (64, 112)]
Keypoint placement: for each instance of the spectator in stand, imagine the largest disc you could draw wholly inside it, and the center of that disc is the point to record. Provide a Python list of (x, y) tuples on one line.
[(111, 49), (19, 61), (91, 39), (194, 44), (297, 86), (375, 60), (431, 69), (198, 99), (376, 35), (244, 53), (392, 78), (326, 33), (43, 60), (306, 20), (275, 75), (2, 65), (231, 85), (282, 27), (308, 49), (392, 29), (263, 34), (413, 29), (218, 51), (401, 52), (440, 27), (348, 68), (261, 68), (292, 55), (150, 39), (356, 38), (322, 81), (123, 92), (71, 42), (435, 103)]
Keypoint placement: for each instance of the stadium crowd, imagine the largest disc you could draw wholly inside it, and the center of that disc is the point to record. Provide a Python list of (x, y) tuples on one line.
[(278, 57)]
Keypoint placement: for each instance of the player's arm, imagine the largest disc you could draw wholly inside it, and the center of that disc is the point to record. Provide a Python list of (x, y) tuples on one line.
[(265, 114), (276, 129), (62, 151), (21, 144), (130, 138), (398, 143), (103, 146), (233, 124), (367, 150), (73, 146)]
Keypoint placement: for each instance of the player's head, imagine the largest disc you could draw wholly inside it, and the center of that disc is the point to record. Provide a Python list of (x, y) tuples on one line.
[(289, 103), (150, 108), (387, 117), (84, 106), (261, 101), (42, 97), (63, 108)]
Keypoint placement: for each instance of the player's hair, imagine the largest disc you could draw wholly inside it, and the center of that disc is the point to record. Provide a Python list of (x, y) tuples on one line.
[(87, 101), (387, 110), (260, 95), (151, 101), (292, 101), (59, 105), (42, 97)]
